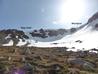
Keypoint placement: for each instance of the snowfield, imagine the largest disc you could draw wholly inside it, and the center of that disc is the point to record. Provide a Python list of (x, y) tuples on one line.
[(84, 39)]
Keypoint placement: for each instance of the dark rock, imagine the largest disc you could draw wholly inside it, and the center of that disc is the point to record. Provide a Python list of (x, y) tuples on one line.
[(29, 68), (81, 64), (94, 17)]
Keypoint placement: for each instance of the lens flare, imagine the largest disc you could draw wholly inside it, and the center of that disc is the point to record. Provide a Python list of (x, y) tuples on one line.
[(71, 10)]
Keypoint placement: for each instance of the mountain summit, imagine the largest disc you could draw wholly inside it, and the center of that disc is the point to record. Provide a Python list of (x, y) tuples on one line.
[(94, 17)]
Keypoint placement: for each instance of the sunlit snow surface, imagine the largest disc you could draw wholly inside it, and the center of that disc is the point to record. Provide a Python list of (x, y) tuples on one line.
[(87, 35)]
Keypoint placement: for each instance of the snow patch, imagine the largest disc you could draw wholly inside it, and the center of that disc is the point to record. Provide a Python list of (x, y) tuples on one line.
[(21, 43), (7, 37), (9, 44)]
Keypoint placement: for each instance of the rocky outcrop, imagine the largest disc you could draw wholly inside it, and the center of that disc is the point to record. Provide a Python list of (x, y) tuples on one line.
[(81, 64), (94, 17)]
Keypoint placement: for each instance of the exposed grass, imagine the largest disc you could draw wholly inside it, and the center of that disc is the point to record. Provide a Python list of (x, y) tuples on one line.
[(44, 58)]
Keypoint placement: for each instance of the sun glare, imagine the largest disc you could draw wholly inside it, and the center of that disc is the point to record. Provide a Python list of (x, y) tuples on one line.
[(71, 10)]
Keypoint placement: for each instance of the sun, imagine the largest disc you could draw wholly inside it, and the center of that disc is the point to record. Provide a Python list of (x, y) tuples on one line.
[(71, 10)]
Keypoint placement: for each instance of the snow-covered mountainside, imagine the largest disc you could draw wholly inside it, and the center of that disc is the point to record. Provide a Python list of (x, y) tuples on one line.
[(13, 37), (83, 37)]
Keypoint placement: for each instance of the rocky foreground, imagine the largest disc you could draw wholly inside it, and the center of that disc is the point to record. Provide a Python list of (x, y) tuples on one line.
[(32, 60)]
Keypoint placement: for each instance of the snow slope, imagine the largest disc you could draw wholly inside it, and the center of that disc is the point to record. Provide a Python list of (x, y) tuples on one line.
[(87, 35)]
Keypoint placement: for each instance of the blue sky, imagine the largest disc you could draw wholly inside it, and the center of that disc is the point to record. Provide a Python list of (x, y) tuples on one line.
[(38, 13)]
